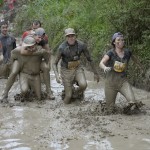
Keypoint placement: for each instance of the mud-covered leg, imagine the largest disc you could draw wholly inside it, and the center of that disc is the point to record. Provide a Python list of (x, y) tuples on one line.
[(24, 83), (81, 80), (68, 94), (14, 72), (110, 96), (46, 76), (37, 86), (127, 92)]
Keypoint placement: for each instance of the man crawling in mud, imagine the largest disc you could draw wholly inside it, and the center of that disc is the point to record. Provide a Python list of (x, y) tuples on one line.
[(29, 75)]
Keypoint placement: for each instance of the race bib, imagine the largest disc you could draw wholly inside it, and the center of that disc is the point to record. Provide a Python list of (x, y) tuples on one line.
[(73, 64), (119, 66)]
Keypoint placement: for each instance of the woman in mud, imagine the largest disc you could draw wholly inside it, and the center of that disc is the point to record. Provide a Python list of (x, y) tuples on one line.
[(114, 63), (71, 71)]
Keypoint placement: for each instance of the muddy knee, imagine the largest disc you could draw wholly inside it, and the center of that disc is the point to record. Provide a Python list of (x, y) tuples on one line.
[(82, 86)]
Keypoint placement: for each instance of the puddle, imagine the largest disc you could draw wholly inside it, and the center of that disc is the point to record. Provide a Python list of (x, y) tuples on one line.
[(56, 126)]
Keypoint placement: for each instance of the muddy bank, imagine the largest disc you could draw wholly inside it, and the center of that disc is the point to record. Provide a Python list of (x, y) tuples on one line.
[(78, 126)]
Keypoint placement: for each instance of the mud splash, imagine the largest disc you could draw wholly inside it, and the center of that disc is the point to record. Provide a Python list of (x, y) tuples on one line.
[(78, 126)]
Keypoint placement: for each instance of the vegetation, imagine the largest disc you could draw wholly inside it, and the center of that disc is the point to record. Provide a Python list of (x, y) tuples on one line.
[(94, 22)]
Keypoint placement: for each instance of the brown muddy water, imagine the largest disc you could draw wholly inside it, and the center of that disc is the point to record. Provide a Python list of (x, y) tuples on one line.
[(77, 126)]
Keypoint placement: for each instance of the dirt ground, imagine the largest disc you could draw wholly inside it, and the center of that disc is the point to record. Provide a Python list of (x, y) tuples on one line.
[(77, 126)]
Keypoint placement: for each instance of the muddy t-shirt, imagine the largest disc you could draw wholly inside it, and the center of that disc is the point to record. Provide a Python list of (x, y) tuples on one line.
[(8, 43), (70, 53), (116, 63)]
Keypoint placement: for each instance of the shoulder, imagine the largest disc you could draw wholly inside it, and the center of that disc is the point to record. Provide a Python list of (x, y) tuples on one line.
[(13, 38), (42, 43), (81, 44), (46, 38), (16, 50), (128, 51), (25, 34), (110, 52), (63, 45), (0, 36)]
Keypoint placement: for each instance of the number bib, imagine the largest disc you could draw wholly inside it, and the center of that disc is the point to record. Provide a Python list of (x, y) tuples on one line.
[(73, 64), (119, 66)]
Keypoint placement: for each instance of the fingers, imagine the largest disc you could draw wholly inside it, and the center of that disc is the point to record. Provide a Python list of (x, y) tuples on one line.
[(107, 69)]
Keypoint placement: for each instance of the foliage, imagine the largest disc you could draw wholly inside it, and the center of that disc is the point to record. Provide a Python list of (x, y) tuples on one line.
[(94, 21)]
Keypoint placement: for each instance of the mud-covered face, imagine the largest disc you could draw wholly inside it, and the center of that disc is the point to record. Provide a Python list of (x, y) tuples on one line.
[(4, 29), (119, 42), (71, 39), (38, 38), (31, 48), (35, 26)]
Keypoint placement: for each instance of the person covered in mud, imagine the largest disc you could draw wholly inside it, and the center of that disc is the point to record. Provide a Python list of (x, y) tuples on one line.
[(29, 75), (45, 67), (7, 44), (35, 25), (115, 64), (71, 70)]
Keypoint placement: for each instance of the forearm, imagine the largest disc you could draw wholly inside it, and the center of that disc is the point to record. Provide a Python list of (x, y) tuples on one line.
[(102, 65), (55, 65)]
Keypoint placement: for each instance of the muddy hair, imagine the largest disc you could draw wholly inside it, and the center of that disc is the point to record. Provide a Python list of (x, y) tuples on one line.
[(112, 43), (36, 22)]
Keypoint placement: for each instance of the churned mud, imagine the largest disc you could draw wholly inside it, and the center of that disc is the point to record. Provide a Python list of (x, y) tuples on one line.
[(52, 125)]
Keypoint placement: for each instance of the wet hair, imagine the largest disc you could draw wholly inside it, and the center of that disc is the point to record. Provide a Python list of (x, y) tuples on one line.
[(112, 43), (3, 23), (37, 22), (118, 34)]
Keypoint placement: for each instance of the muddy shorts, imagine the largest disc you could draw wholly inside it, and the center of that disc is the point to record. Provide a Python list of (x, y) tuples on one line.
[(69, 75)]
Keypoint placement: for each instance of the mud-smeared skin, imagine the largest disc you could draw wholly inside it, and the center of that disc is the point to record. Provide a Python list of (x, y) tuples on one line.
[(55, 122)]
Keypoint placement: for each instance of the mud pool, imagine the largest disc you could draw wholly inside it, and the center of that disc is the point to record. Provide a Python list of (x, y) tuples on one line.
[(77, 126)]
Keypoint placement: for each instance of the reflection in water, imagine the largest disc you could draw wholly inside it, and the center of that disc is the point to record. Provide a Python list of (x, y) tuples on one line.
[(58, 146), (13, 144), (82, 145), (98, 145)]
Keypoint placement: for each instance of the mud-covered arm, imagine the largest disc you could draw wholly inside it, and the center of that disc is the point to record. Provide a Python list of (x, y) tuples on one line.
[(45, 54), (89, 58), (55, 66), (15, 54), (26, 52), (103, 63)]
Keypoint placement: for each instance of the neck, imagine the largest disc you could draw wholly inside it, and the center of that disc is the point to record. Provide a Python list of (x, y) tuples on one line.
[(4, 34), (118, 49)]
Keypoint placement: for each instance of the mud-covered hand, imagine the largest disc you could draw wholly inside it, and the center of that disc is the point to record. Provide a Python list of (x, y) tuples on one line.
[(107, 69), (96, 77)]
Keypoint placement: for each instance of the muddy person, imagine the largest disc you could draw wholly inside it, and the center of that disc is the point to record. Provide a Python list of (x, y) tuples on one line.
[(71, 70), (45, 67), (29, 75), (7, 44), (115, 63)]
